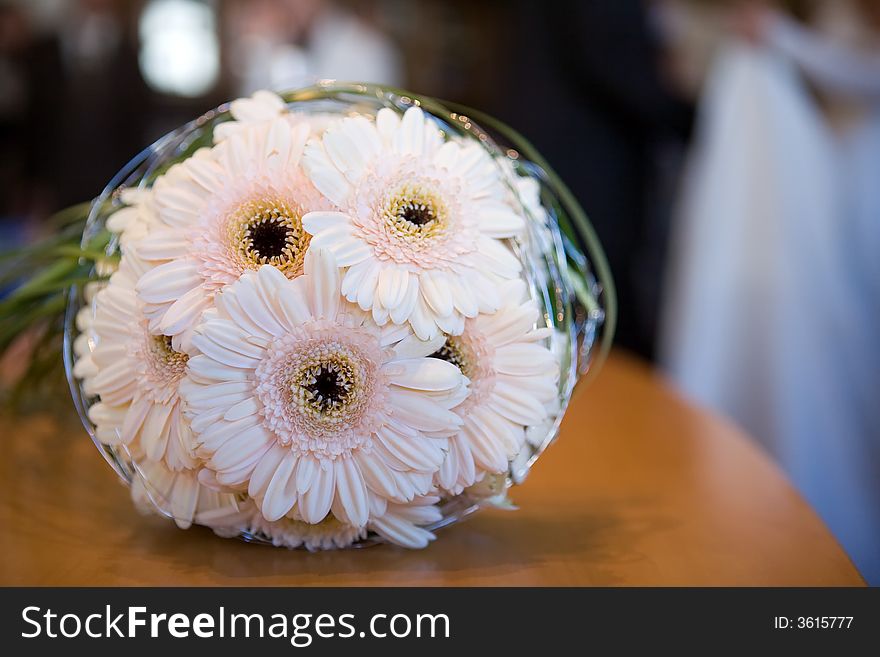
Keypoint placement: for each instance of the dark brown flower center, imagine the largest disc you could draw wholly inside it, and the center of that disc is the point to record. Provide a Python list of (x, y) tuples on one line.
[(271, 239)]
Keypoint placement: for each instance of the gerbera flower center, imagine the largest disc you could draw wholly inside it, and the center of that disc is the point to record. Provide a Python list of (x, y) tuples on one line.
[(164, 353), (319, 389), (270, 232), (327, 386), (162, 367), (415, 212)]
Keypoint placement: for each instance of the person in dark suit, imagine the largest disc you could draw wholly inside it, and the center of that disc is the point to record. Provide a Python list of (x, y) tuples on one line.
[(584, 85)]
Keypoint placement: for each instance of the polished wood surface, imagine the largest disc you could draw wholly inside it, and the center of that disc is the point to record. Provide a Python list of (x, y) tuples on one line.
[(640, 489)]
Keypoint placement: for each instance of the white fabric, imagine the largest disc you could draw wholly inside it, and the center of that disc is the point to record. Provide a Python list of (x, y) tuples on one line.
[(772, 308)]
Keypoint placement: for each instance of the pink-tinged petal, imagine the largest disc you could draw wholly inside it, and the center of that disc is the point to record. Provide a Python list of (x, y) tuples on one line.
[(169, 281), (164, 244), (392, 286), (246, 446), (351, 144), (205, 369), (261, 106), (244, 408), (436, 292), (463, 296), (376, 474), (498, 258), (512, 325), (451, 324), (252, 303), (134, 420), (226, 334), (265, 470), (401, 532), (367, 288), (410, 137), (154, 434), (423, 455), (351, 252), (281, 491), (387, 123), (421, 412), (447, 155), (229, 304), (293, 302), (317, 222), (519, 359), (422, 321), (351, 491), (487, 451), (324, 176), (184, 312), (423, 374), (184, 500), (379, 312), (222, 354), (118, 378), (378, 506), (279, 142), (412, 347), (499, 220), (305, 474), (543, 388), (323, 275), (215, 436), (405, 308), (517, 406), (314, 504)]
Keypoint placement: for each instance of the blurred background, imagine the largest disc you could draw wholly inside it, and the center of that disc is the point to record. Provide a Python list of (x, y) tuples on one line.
[(727, 152)]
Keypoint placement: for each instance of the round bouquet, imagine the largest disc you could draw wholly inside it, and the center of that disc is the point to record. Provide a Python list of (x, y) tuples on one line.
[(332, 316)]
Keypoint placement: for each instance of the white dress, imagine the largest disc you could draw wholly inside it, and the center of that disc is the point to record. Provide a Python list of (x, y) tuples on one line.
[(772, 313)]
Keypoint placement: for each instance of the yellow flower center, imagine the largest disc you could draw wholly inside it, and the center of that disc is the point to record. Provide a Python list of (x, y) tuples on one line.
[(161, 349), (270, 232), (328, 388), (415, 213)]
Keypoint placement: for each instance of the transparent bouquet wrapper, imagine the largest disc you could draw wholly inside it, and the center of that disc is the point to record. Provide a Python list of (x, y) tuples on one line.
[(563, 263)]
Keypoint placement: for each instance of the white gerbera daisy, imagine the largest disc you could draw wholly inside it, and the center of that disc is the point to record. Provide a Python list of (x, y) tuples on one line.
[(136, 374), (224, 211), (513, 379), (419, 223), (178, 493), (303, 400), (133, 221)]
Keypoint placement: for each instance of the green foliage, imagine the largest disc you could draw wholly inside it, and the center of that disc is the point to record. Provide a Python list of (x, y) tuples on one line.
[(36, 279)]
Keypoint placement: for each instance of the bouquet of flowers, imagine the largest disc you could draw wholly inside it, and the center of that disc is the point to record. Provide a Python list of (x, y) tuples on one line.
[(338, 315)]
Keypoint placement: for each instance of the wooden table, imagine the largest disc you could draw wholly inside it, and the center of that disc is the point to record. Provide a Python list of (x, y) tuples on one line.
[(641, 489)]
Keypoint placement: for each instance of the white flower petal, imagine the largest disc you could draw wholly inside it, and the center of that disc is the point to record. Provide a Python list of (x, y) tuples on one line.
[(436, 291), (314, 504), (320, 267), (392, 286), (423, 374), (410, 137), (281, 491), (315, 222), (265, 470), (168, 281), (524, 360), (351, 491)]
